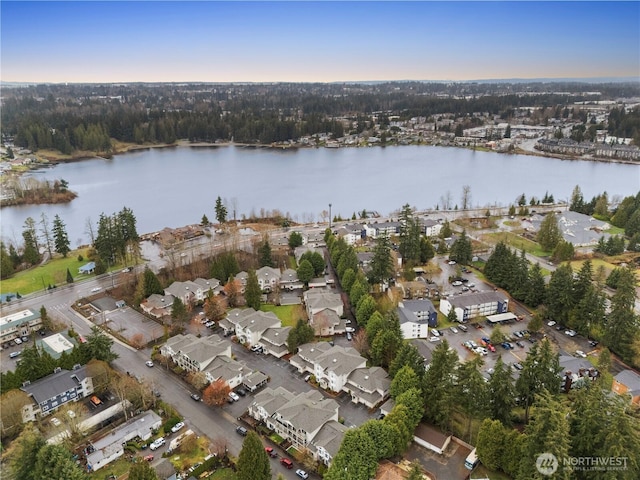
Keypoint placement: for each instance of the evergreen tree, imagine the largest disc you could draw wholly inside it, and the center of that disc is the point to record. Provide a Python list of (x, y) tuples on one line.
[(224, 266), (548, 432), (305, 271), (252, 293), (264, 254), (31, 253), (501, 393), (549, 234), (69, 276), (559, 300), (99, 345), (536, 286), (295, 240), (405, 379), (151, 283), (347, 280), (22, 458), (299, 335), (6, 264), (221, 211), (60, 237), (439, 385), (253, 462), (407, 355), (577, 200), (316, 261), (410, 236), (356, 459), (204, 221), (471, 391), (461, 249), (621, 328), (381, 263), (366, 306), (490, 443), (179, 310), (142, 471)]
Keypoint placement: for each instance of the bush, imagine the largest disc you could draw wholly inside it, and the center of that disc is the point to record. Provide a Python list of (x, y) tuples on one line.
[(170, 423), (80, 258)]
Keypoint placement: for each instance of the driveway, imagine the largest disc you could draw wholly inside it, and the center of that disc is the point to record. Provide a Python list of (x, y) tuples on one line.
[(449, 466)]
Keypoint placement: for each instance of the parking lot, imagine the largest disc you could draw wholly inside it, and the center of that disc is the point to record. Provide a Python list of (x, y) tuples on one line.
[(282, 374)]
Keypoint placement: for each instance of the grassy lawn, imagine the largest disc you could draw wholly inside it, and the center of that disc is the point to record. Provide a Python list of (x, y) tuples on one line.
[(516, 242), (184, 460), (52, 273), (615, 230), (595, 264), (223, 474), (118, 468), (288, 314)]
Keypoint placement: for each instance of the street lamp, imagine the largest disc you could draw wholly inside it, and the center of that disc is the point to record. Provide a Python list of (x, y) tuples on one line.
[(329, 216)]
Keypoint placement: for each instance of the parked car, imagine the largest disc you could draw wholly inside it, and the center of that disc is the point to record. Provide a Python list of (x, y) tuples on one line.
[(571, 333), (148, 458), (177, 427), (350, 329), (463, 328), (307, 377), (302, 474), (149, 363), (434, 339), (256, 349), (286, 462), (580, 353), (156, 444), (17, 341), (241, 391), (195, 396), (453, 329), (96, 289), (593, 343), (241, 431), (452, 262), (520, 344), (271, 452), (518, 366), (234, 396), (435, 332), (349, 336), (551, 323)]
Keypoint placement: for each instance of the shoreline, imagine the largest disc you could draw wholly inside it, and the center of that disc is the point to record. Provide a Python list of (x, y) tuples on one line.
[(186, 143)]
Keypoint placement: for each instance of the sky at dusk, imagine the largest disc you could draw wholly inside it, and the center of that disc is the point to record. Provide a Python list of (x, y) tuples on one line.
[(316, 41)]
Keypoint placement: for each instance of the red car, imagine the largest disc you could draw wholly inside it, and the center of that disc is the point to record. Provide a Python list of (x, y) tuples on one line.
[(491, 348), (271, 452), (149, 458), (286, 462)]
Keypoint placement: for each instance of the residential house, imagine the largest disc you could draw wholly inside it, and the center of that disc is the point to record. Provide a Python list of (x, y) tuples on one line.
[(297, 418), (326, 443), (289, 280), (369, 386), (268, 278), (576, 372), (327, 322), (351, 233), (193, 292), (249, 325), (627, 382), (254, 381), (430, 228), (51, 392), (19, 324), (474, 305), (111, 446), (87, 268), (425, 349), (225, 368), (431, 438), (274, 341), (416, 316), (317, 300), (242, 277), (331, 365), (195, 354), (157, 305), (381, 229)]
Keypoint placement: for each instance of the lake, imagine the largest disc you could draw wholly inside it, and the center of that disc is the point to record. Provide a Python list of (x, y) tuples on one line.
[(175, 186)]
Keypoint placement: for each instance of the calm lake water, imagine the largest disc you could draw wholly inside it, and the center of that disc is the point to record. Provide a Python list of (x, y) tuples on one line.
[(176, 186)]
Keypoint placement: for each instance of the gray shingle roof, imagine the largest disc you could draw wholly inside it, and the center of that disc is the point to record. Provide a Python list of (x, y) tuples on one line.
[(630, 379), (479, 298), (54, 384)]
